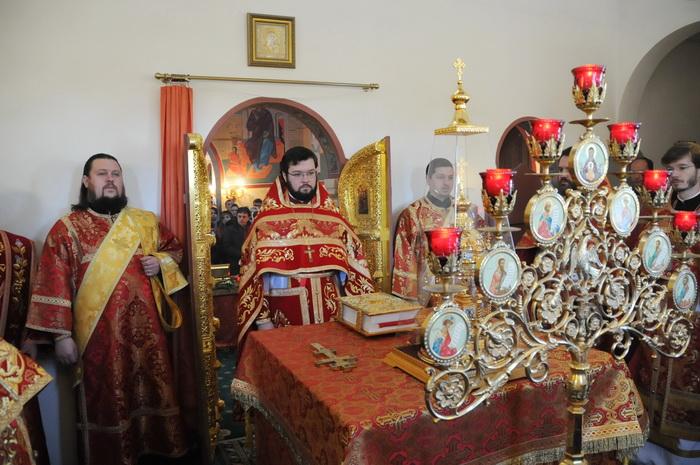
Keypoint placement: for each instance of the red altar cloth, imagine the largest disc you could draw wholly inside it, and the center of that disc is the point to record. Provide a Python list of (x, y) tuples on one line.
[(376, 414)]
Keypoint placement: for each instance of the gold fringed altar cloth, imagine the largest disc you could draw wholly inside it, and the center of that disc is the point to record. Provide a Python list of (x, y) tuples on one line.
[(376, 414)]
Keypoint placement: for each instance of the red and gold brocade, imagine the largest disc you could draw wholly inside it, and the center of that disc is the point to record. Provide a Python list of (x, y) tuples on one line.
[(20, 380), (376, 414), (127, 405), (293, 239), (411, 248), (16, 255)]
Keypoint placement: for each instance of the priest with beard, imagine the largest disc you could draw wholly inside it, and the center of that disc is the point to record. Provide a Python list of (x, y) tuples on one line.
[(104, 272), (300, 255)]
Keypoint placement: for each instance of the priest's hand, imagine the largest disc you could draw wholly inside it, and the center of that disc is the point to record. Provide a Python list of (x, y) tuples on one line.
[(151, 265), (264, 325), (66, 351)]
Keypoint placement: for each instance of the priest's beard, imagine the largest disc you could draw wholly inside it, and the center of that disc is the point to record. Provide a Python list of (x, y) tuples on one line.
[(107, 205), (303, 197)]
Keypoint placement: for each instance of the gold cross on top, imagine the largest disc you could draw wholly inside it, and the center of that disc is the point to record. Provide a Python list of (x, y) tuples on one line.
[(459, 66)]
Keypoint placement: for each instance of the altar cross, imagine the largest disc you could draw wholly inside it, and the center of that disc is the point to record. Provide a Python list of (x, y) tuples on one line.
[(335, 362)]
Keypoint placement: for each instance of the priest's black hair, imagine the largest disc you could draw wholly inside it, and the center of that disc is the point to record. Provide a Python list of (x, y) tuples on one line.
[(294, 156)]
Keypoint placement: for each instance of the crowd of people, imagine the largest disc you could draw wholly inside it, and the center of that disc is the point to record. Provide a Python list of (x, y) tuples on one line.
[(231, 227)]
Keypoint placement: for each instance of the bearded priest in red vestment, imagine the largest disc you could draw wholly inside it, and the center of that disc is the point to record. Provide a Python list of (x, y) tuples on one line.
[(411, 272), (98, 296), (300, 254)]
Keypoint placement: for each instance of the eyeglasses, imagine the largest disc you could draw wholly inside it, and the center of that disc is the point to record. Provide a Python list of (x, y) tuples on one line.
[(302, 174)]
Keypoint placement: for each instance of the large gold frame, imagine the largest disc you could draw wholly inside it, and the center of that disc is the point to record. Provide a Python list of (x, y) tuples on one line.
[(364, 195), (201, 284)]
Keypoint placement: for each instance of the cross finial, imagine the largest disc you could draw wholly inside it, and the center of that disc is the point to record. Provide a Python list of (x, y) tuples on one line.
[(459, 66)]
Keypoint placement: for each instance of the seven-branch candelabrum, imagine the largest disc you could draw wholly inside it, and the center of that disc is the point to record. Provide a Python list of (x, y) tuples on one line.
[(587, 279)]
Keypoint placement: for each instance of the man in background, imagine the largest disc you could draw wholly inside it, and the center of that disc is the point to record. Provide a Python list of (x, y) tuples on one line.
[(637, 167), (239, 233), (410, 246)]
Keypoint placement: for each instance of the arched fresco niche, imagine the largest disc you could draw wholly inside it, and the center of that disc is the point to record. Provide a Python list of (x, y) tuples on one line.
[(246, 145)]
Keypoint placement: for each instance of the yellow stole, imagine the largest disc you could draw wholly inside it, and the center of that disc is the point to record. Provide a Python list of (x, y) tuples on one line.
[(132, 227)]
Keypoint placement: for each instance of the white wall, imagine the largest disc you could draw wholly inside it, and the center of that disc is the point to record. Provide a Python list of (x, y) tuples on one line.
[(77, 78), (670, 105)]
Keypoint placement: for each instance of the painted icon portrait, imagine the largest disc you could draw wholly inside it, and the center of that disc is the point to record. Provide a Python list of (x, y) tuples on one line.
[(446, 335), (499, 273), (685, 289), (547, 217), (624, 211), (656, 252), (590, 162)]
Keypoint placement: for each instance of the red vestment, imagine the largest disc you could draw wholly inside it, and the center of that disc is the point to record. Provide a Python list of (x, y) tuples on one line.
[(20, 380), (307, 243), (16, 255), (126, 402), (410, 272), (16, 266)]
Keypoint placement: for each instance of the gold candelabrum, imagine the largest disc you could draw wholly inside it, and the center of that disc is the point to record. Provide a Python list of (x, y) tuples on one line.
[(586, 281)]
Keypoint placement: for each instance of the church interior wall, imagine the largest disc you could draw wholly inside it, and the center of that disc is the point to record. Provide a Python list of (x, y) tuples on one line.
[(670, 102), (78, 79)]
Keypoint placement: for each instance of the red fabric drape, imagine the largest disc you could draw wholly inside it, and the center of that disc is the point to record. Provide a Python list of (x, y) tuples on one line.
[(175, 123)]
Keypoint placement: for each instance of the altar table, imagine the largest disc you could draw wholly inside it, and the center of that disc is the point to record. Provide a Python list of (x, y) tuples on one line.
[(376, 414)]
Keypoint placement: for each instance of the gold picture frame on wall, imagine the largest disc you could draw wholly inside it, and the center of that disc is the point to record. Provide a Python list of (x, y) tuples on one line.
[(271, 41)]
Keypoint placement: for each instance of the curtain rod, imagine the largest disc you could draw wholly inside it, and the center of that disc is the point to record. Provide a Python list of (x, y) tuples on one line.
[(171, 77)]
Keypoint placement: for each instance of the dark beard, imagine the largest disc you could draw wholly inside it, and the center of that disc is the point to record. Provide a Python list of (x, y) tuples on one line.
[(563, 185), (300, 196), (107, 205)]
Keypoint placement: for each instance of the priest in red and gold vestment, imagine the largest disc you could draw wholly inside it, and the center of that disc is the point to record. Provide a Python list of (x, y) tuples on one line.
[(300, 254), (20, 380), (410, 247), (16, 266), (98, 296), (16, 255)]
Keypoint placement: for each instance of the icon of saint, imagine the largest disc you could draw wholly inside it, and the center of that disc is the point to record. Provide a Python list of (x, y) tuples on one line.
[(625, 215), (684, 295), (591, 172), (443, 343), (546, 227), (498, 279), (657, 257)]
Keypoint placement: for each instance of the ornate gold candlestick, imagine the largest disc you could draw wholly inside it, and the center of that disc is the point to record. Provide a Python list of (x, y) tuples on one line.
[(583, 283)]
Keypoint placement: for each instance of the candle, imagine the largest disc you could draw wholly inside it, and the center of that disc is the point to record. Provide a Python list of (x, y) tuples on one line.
[(621, 133), (545, 129), (655, 180), (587, 76), (685, 221), (497, 180), (443, 241)]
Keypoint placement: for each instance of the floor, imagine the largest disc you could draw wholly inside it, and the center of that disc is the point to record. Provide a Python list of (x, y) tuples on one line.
[(231, 448)]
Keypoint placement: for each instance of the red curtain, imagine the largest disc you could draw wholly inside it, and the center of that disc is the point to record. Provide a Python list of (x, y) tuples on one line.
[(175, 123)]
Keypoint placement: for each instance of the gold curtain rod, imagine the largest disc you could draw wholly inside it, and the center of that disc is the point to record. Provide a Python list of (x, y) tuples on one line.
[(168, 77)]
